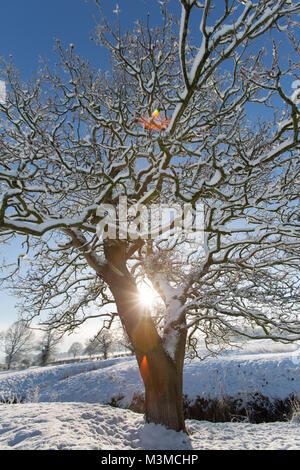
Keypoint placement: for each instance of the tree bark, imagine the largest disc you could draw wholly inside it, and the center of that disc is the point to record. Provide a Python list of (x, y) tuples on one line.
[(162, 375), (163, 390)]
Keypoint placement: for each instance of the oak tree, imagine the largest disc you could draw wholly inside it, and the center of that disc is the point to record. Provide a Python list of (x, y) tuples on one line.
[(195, 118)]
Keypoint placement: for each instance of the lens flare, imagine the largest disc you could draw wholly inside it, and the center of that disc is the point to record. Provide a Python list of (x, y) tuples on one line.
[(144, 369), (155, 121), (146, 295)]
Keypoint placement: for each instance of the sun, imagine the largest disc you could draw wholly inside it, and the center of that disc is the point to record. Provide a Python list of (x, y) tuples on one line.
[(146, 294)]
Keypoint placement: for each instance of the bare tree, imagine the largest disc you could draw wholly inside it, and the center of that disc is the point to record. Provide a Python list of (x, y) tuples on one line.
[(91, 347), (226, 138), (101, 343), (18, 340), (105, 342), (48, 347), (75, 349)]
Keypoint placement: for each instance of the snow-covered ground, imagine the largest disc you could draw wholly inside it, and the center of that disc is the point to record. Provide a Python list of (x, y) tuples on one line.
[(64, 407), (93, 426)]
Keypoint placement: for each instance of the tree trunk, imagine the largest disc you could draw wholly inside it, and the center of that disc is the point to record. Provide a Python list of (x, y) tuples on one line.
[(163, 390), (9, 361), (162, 376)]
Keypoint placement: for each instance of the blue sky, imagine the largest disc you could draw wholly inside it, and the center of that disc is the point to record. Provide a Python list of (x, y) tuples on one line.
[(28, 29)]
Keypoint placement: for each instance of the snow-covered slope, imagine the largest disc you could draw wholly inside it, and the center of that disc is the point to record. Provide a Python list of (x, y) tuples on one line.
[(260, 367), (25, 385)]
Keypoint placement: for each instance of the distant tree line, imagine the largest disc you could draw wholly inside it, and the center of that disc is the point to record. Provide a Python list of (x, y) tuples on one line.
[(21, 349)]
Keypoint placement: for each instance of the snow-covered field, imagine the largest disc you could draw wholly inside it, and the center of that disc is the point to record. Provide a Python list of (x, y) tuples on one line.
[(93, 426), (64, 407)]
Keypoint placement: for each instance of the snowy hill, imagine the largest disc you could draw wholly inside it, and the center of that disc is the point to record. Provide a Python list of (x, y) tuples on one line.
[(68, 403)]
